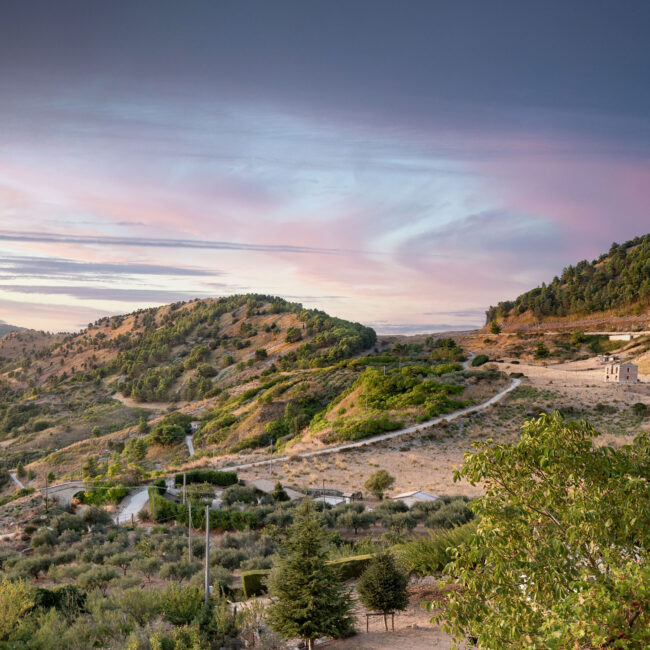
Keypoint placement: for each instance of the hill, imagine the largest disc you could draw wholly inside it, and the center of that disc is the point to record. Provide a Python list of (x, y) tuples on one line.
[(616, 284), (5, 328), (243, 373)]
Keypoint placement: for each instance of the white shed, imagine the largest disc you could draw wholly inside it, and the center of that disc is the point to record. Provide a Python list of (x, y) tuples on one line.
[(410, 498)]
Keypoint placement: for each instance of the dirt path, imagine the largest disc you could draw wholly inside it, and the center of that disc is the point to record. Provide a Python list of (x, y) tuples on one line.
[(384, 436), (131, 403)]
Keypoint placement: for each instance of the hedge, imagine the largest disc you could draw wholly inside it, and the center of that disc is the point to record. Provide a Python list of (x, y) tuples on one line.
[(214, 477), (351, 567), (253, 583)]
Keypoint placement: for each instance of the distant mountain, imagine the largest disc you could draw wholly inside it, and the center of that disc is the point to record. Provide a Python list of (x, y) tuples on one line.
[(5, 328), (618, 280)]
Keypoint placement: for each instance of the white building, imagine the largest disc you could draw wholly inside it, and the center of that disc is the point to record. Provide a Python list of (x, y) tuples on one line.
[(410, 498), (622, 372)]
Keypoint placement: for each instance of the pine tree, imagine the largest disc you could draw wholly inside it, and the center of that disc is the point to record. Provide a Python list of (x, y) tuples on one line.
[(382, 586), (309, 598), (20, 470)]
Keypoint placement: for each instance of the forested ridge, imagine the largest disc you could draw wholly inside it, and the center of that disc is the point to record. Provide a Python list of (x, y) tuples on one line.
[(619, 278)]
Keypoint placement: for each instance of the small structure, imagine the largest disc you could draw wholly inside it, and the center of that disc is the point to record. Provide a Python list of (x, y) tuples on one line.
[(622, 373), (410, 498), (608, 358), (195, 425), (334, 496), (267, 486)]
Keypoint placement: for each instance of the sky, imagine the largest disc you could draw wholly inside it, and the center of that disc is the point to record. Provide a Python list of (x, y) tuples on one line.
[(401, 164)]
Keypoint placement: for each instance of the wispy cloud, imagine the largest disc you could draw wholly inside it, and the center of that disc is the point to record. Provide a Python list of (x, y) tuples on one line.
[(62, 268), (87, 292), (105, 240)]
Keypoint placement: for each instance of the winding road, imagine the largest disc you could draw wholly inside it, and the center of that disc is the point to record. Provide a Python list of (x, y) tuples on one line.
[(190, 445), (384, 436)]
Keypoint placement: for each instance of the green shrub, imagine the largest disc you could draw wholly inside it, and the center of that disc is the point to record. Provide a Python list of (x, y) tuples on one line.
[(426, 556), (479, 360), (363, 428)]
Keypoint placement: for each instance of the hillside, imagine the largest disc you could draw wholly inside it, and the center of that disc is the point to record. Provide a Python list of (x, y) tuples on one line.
[(250, 372), (615, 285), (5, 328)]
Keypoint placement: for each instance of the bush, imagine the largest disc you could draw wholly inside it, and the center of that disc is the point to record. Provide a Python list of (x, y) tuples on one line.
[(640, 409), (427, 556), (181, 605), (479, 360), (238, 494)]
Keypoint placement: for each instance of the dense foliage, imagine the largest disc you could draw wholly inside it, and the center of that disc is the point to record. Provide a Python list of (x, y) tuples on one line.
[(560, 556), (309, 598), (617, 279)]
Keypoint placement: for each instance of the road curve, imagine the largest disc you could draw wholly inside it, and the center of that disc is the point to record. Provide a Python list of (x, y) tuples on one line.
[(383, 436), (132, 505), (16, 480)]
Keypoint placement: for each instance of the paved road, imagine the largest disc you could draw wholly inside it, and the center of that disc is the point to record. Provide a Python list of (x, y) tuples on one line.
[(132, 505), (16, 481), (383, 436), (190, 445)]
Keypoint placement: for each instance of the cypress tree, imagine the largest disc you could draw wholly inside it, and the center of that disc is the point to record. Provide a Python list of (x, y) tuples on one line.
[(309, 597), (382, 586)]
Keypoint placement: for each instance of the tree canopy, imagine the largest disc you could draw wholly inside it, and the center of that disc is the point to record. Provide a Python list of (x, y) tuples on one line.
[(309, 598), (560, 556), (616, 279)]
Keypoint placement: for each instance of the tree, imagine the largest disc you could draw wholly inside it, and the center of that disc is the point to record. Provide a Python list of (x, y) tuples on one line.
[(309, 598), (97, 578), (121, 560), (148, 566), (293, 335), (541, 351), (51, 477), (143, 427), (20, 470), (560, 557), (382, 586), (96, 432), (495, 328), (15, 602), (279, 493), (379, 482)]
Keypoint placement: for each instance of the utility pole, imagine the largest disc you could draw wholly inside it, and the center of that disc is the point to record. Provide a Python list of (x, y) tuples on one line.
[(189, 533), (207, 554), (323, 493), (46, 504), (183, 488)]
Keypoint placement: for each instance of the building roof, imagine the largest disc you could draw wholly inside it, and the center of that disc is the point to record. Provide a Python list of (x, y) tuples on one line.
[(420, 495)]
